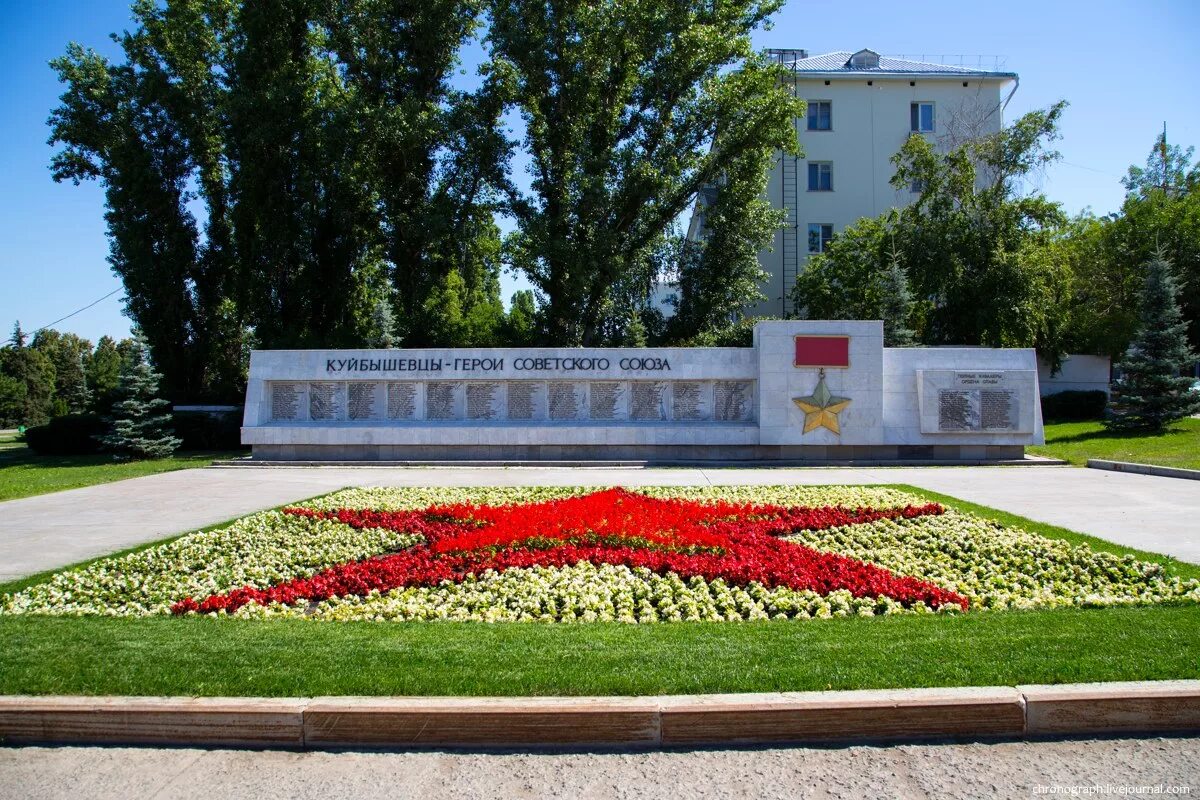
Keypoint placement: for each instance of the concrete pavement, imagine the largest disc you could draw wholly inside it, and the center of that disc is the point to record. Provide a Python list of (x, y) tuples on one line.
[(49, 531), (999, 769)]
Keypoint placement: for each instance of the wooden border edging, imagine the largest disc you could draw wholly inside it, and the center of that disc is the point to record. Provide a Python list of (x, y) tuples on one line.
[(673, 721), (1144, 469)]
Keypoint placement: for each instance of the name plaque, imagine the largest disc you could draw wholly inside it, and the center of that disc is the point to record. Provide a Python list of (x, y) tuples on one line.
[(628, 402), (977, 402)]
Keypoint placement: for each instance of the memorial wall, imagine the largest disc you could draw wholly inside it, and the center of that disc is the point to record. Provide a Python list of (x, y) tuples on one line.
[(805, 391)]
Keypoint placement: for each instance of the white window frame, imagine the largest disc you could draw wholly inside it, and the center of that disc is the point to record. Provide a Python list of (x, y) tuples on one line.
[(810, 119), (828, 165), (918, 105), (821, 240)]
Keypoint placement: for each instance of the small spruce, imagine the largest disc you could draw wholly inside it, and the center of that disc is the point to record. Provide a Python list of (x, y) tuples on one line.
[(896, 303), (140, 426), (1150, 393)]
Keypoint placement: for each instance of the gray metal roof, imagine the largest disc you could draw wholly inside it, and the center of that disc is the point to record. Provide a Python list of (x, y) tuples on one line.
[(837, 63)]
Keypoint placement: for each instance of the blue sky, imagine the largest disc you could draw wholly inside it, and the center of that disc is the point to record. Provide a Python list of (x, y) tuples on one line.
[(1125, 68)]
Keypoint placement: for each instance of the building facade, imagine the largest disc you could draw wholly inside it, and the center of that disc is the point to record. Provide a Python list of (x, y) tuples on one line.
[(861, 109)]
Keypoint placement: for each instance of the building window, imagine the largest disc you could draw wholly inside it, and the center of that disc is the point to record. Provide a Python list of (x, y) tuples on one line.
[(819, 236), (820, 176), (820, 115), (921, 117)]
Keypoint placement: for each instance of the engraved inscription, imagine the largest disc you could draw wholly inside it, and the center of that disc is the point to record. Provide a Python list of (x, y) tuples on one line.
[(687, 400), (606, 400), (523, 399), (402, 400), (439, 400), (360, 400), (322, 400), (563, 400), (956, 412), (646, 400), (731, 401), (285, 401), (997, 409), (483, 400)]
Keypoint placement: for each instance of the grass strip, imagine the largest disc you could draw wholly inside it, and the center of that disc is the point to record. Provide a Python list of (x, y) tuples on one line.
[(295, 658)]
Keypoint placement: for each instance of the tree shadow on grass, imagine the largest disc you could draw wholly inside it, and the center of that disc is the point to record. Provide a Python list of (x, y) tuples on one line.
[(1118, 436)]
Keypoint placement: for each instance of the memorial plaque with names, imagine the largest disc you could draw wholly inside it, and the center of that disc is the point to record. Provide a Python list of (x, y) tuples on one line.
[(402, 400), (483, 400), (997, 410), (958, 410), (732, 401), (647, 400), (689, 400), (439, 400), (606, 400), (564, 399), (285, 401), (323, 401), (360, 400), (526, 399)]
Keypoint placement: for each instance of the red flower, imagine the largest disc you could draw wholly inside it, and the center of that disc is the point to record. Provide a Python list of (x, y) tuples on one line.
[(737, 542)]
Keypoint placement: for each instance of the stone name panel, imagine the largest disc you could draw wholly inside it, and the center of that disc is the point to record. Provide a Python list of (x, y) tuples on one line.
[(999, 401), (637, 401)]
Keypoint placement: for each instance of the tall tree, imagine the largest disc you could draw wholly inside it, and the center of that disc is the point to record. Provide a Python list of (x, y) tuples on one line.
[(629, 108), (1150, 393), (68, 353), (27, 391), (896, 304), (103, 371), (719, 274), (970, 244)]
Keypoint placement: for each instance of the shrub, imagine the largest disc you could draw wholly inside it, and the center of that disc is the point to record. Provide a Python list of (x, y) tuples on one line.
[(70, 435), (1074, 405), (206, 430)]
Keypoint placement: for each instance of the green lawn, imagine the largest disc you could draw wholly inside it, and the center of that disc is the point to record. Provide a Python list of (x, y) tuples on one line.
[(24, 473), (210, 657), (1078, 441)]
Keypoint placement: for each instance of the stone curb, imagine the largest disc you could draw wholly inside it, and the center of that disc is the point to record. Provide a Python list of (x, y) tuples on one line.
[(1144, 469), (671, 721), (1028, 461)]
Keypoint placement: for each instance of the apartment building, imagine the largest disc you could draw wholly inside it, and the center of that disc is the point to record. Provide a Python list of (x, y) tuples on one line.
[(861, 108)]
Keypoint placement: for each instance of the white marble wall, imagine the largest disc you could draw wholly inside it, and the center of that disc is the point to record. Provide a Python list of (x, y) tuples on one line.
[(466, 403), (901, 401), (780, 381)]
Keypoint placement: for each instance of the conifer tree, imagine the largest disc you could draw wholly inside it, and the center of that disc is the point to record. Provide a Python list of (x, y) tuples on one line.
[(896, 304), (1150, 394), (140, 426)]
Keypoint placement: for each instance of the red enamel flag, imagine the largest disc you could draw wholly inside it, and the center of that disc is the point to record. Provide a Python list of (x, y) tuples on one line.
[(831, 352)]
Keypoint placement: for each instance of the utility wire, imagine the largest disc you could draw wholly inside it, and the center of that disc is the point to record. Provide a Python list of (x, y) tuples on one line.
[(73, 313)]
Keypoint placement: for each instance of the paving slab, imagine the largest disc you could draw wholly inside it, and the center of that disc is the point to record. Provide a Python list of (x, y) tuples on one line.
[(49, 531), (1163, 766)]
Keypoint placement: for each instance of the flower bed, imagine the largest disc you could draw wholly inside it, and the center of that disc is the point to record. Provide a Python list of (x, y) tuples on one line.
[(576, 554)]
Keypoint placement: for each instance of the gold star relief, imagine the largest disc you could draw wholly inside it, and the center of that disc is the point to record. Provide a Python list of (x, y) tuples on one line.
[(821, 408)]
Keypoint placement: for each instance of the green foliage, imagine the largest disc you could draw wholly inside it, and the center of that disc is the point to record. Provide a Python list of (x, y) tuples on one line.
[(102, 371), (896, 304), (141, 426), (26, 383), (1074, 405), (69, 354), (1108, 255), (971, 245), (333, 166), (70, 435), (629, 108), (521, 324), (719, 275), (1150, 393)]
